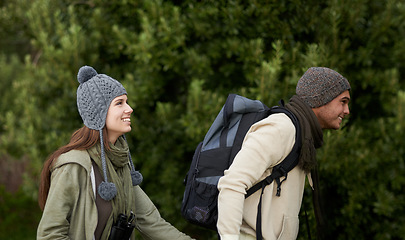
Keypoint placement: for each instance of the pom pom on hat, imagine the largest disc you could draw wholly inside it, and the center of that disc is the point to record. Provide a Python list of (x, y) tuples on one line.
[(85, 73), (107, 190), (137, 178)]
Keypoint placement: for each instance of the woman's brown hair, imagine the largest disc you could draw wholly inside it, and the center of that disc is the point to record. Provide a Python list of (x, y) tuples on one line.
[(82, 139)]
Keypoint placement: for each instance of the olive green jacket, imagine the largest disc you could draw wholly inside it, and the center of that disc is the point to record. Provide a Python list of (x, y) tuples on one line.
[(71, 213)]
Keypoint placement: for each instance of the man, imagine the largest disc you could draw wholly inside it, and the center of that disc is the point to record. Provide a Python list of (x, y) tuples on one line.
[(321, 102)]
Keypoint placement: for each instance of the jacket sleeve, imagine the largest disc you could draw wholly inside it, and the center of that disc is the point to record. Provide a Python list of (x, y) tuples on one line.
[(63, 193), (266, 144), (149, 222)]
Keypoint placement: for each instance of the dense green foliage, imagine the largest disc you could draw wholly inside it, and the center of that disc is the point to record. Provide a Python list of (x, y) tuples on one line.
[(178, 61), (19, 217)]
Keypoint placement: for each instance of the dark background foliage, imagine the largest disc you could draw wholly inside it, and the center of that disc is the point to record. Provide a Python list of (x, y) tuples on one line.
[(178, 61)]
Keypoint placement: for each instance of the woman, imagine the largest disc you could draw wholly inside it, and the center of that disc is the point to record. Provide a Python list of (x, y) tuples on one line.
[(89, 187)]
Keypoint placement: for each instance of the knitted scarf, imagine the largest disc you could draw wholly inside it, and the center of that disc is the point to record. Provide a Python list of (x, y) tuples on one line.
[(118, 170), (312, 138), (311, 132)]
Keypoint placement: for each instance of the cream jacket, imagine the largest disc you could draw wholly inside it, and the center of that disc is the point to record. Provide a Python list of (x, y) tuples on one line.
[(266, 144), (71, 213)]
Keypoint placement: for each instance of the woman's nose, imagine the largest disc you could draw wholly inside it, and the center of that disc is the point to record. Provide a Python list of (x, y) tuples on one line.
[(129, 109)]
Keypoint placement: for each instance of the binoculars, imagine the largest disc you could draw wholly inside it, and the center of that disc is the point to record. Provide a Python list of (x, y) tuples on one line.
[(123, 227)]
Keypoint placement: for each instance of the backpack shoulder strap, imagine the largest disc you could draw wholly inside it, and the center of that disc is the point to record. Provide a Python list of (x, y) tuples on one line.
[(282, 169)]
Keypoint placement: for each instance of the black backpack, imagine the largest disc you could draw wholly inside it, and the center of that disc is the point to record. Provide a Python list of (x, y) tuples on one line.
[(216, 153)]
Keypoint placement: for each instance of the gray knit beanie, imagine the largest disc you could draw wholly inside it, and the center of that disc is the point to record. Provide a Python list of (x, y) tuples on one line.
[(320, 85), (94, 96)]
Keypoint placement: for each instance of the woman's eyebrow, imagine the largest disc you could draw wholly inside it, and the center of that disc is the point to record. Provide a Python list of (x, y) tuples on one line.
[(119, 99)]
